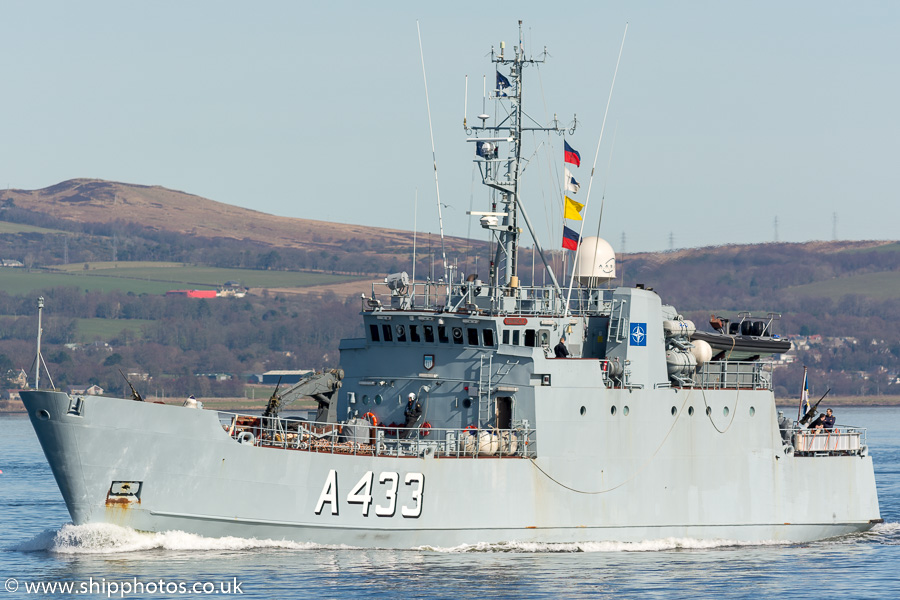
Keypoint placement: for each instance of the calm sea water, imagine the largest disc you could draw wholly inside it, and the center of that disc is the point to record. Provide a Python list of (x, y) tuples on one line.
[(38, 544)]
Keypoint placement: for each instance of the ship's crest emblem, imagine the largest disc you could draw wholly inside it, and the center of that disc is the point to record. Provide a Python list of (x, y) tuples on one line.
[(638, 334), (428, 362)]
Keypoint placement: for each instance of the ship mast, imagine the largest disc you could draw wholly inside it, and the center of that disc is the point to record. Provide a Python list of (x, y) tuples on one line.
[(502, 174)]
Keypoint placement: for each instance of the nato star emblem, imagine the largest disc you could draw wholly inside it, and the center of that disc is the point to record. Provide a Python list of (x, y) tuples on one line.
[(638, 334)]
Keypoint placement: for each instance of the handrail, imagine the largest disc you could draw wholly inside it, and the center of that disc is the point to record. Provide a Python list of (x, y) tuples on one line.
[(359, 437), (839, 441), (521, 300), (732, 375)]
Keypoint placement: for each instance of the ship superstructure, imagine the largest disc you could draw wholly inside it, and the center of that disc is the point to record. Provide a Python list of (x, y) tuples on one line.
[(453, 422)]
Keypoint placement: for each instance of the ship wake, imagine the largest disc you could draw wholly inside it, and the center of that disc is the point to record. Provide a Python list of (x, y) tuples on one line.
[(105, 538), (885, 533), (642, 546)]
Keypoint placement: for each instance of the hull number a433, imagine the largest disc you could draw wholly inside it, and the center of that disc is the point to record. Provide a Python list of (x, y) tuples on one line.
[(386, 490)]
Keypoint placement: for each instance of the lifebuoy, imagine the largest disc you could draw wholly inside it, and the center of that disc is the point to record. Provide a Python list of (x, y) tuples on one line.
[(472, 429), (425, 429), (372, 419)]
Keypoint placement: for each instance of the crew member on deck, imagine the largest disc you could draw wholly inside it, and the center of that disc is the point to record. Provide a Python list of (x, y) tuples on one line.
[(413, 411), (825, 421), (784, 424), (560, 350)]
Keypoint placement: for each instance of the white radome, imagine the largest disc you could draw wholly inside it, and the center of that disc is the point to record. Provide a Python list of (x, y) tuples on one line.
[(596, 262)]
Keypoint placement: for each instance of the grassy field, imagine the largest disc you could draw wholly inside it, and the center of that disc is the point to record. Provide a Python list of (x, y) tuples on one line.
[(107, 329), (882, 286), (156, 278), (90, 330), (6, 227), (99, 266)]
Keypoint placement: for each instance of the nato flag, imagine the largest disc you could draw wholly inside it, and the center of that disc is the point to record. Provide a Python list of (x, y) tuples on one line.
[(502, 84)]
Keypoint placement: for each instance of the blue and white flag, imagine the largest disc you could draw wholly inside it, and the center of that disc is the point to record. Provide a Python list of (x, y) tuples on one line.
[(502, 84), (804, 396), (571, 185), (486, 150)]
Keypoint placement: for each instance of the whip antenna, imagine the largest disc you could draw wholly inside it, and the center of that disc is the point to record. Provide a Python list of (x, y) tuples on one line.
[(415, 232), (594, 166), (434, 160)]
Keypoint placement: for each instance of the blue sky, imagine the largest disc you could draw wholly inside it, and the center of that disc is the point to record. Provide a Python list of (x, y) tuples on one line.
[(725, 115)]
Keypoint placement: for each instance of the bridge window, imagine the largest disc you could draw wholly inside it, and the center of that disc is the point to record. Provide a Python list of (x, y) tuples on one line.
[(457, 335), (442, 334), (429, 333), (506, 336), (530, 338), (373, 329), (517, 335), (386, 330), (473, 336), (414, 333), (401, 333), (488, 335)]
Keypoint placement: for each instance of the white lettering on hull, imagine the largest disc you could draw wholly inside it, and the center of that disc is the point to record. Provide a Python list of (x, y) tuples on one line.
[(329, 494), (361, 493), (415, 511), (390, 495)]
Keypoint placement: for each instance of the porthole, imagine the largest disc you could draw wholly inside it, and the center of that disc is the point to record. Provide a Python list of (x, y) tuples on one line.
[(674, 411), (725, 411), (612, 410), (43, 415), (752, 411), (708, 411), (378, 399), (365, 399), (625, 410), (690, 411), (467, 402), (582, 411)]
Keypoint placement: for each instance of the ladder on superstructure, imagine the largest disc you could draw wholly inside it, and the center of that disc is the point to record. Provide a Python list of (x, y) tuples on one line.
[(484, 389)]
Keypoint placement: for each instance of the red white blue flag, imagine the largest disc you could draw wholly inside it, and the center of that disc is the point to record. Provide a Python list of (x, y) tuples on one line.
[(570, 239), (571, 156)]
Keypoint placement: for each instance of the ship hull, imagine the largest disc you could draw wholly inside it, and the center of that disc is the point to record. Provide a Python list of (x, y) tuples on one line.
[(599, 480)]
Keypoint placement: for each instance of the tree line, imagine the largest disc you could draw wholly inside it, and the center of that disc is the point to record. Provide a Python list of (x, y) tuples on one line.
[(237, 336)]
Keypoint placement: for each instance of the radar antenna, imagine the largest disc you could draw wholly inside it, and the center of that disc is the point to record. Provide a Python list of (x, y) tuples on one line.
[(502, 174)]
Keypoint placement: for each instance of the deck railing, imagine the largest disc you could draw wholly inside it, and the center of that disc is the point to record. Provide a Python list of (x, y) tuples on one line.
[(471, 298), (358, 437), (840, 441), (721, 375)]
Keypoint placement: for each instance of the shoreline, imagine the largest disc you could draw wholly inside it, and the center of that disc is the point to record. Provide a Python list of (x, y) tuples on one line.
[(247, 404)]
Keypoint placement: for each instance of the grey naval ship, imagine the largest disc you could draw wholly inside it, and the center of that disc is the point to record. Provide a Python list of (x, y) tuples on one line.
[(453, 422)]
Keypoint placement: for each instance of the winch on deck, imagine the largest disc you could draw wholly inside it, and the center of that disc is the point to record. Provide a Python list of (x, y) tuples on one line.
[(320, 386)]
